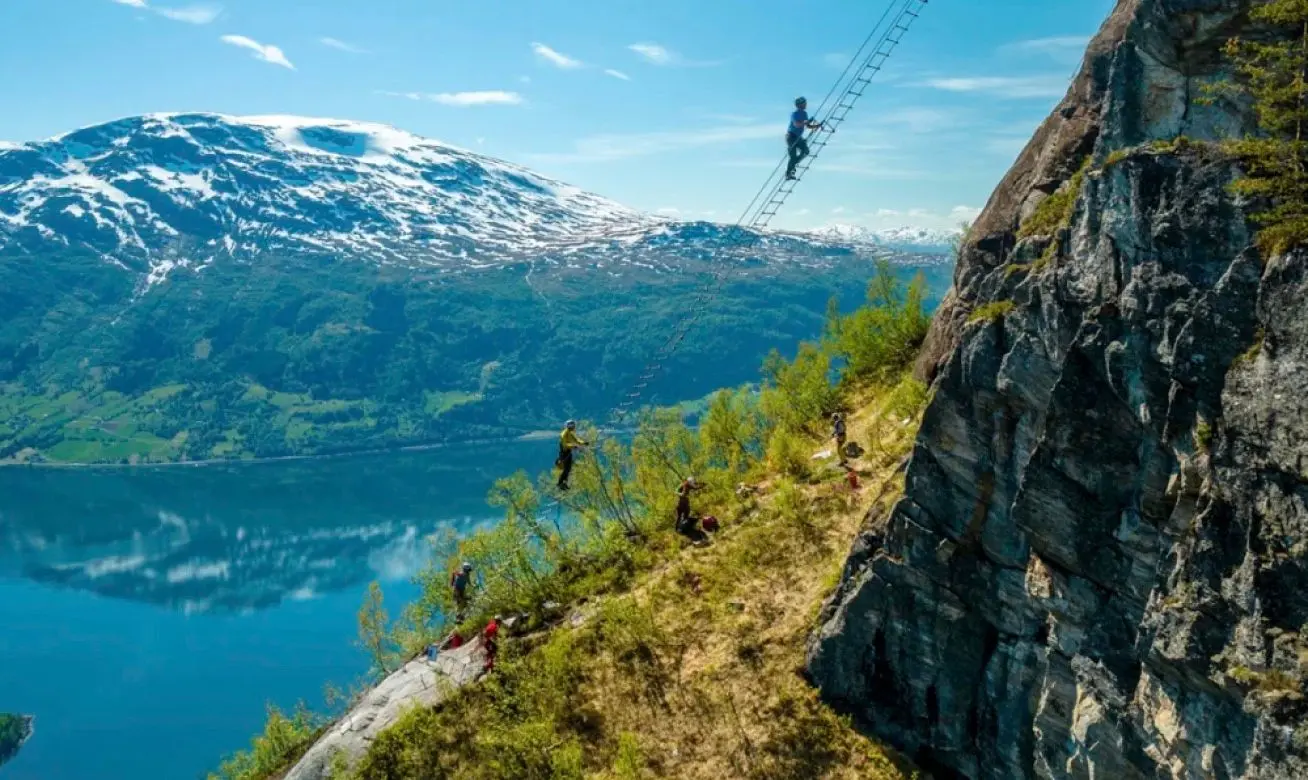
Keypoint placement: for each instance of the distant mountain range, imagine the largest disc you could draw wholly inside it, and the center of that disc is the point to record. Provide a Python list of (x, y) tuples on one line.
[(191, 286), (903, 239)]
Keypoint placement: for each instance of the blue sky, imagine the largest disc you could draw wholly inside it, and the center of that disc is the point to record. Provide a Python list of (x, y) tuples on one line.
[(671, 105)]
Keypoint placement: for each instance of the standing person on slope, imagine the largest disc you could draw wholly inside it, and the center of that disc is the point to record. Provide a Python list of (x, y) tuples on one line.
[(687, 486), (795, 143), (568, 441), (838, 433)]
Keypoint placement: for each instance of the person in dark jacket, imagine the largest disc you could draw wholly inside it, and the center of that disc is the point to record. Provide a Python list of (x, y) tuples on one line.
[(459, 581), (687, 486), (838, 433)]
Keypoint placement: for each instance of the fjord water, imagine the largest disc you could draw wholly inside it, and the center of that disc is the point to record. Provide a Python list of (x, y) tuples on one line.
[(147, 616)]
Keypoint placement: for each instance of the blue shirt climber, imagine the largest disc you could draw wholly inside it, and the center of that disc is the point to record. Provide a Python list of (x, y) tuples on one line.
[(795, 143)]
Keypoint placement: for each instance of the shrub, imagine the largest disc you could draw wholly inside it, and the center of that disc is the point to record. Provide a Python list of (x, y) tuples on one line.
[(879, 339), (990, 312), (1055, 211), (788, 454), (798, 395), (280, 745), (1272, 74)]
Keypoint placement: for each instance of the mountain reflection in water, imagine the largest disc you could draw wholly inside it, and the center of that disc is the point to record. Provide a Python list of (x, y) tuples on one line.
[(233, 537)]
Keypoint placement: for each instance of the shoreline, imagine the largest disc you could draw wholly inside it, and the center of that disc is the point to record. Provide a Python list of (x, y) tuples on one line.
[(539, 435)]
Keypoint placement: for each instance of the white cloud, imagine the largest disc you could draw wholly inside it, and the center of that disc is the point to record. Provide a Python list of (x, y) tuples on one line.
[(555, 58), (870, 169), (266, 52), (617, 74), (603, 148), (661, 55), (462, 99), (335, 43), (838, 210), (1049, 86), (493, 97), (653, 52), (192, 14), (884, 219), (132, 3), (1059, 47)]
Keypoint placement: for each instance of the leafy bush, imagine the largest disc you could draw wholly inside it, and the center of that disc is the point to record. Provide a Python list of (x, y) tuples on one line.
[(1271, 72), (879, 339), (797, 395), (788, 454), (283, 741), (990, 312), (1055, 211)]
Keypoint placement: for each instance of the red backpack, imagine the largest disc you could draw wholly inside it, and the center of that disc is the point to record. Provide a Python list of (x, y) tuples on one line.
[(710, 524)]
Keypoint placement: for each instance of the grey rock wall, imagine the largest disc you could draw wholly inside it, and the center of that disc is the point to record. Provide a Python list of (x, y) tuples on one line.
[(1097, 569)]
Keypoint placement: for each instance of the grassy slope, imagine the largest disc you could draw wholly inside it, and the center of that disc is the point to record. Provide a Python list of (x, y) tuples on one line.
[(677, 660), (695, 671)]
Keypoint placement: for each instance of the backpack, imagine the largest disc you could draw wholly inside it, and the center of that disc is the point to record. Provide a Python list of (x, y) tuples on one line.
[(710, 524)]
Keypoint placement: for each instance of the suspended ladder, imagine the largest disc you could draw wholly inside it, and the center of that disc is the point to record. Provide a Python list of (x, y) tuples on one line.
[(834, 109)]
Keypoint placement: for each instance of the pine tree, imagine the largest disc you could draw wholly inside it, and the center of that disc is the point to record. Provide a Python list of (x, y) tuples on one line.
[(1275, 75)]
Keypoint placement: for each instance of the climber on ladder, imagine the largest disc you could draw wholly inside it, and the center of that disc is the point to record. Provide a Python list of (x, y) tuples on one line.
[(568, 441), (799, 123)]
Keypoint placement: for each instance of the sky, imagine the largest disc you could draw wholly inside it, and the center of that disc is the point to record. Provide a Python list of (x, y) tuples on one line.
[(671, 106)]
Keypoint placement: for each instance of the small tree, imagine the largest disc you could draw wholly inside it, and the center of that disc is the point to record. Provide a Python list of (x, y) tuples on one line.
[(1275, 75), (374, 629)]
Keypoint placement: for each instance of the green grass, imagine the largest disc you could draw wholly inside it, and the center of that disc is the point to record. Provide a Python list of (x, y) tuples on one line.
[(1055, 211), (990, 312), (1203, 435), (438, 403), (1255, 349)]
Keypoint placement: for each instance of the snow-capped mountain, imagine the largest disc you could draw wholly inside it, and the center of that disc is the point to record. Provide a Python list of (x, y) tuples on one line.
[(907, 239), (156, 192), (192, 186)]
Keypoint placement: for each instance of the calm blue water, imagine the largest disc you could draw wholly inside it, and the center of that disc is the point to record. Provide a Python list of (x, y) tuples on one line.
[(148, 616)]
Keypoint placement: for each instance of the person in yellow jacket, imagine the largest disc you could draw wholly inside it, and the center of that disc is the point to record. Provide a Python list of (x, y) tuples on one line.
[(568, 441)]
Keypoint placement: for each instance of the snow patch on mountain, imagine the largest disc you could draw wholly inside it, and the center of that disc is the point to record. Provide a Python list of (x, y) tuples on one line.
[(907, 238), (159, 192), (196, 186)]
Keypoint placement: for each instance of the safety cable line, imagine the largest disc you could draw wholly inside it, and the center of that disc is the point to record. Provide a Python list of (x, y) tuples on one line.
[(776, 190)]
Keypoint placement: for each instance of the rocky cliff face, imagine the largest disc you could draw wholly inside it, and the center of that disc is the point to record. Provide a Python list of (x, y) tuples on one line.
[(1097, 569)]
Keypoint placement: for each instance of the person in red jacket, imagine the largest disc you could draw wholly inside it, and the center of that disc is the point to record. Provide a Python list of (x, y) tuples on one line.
[(490, 640)]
